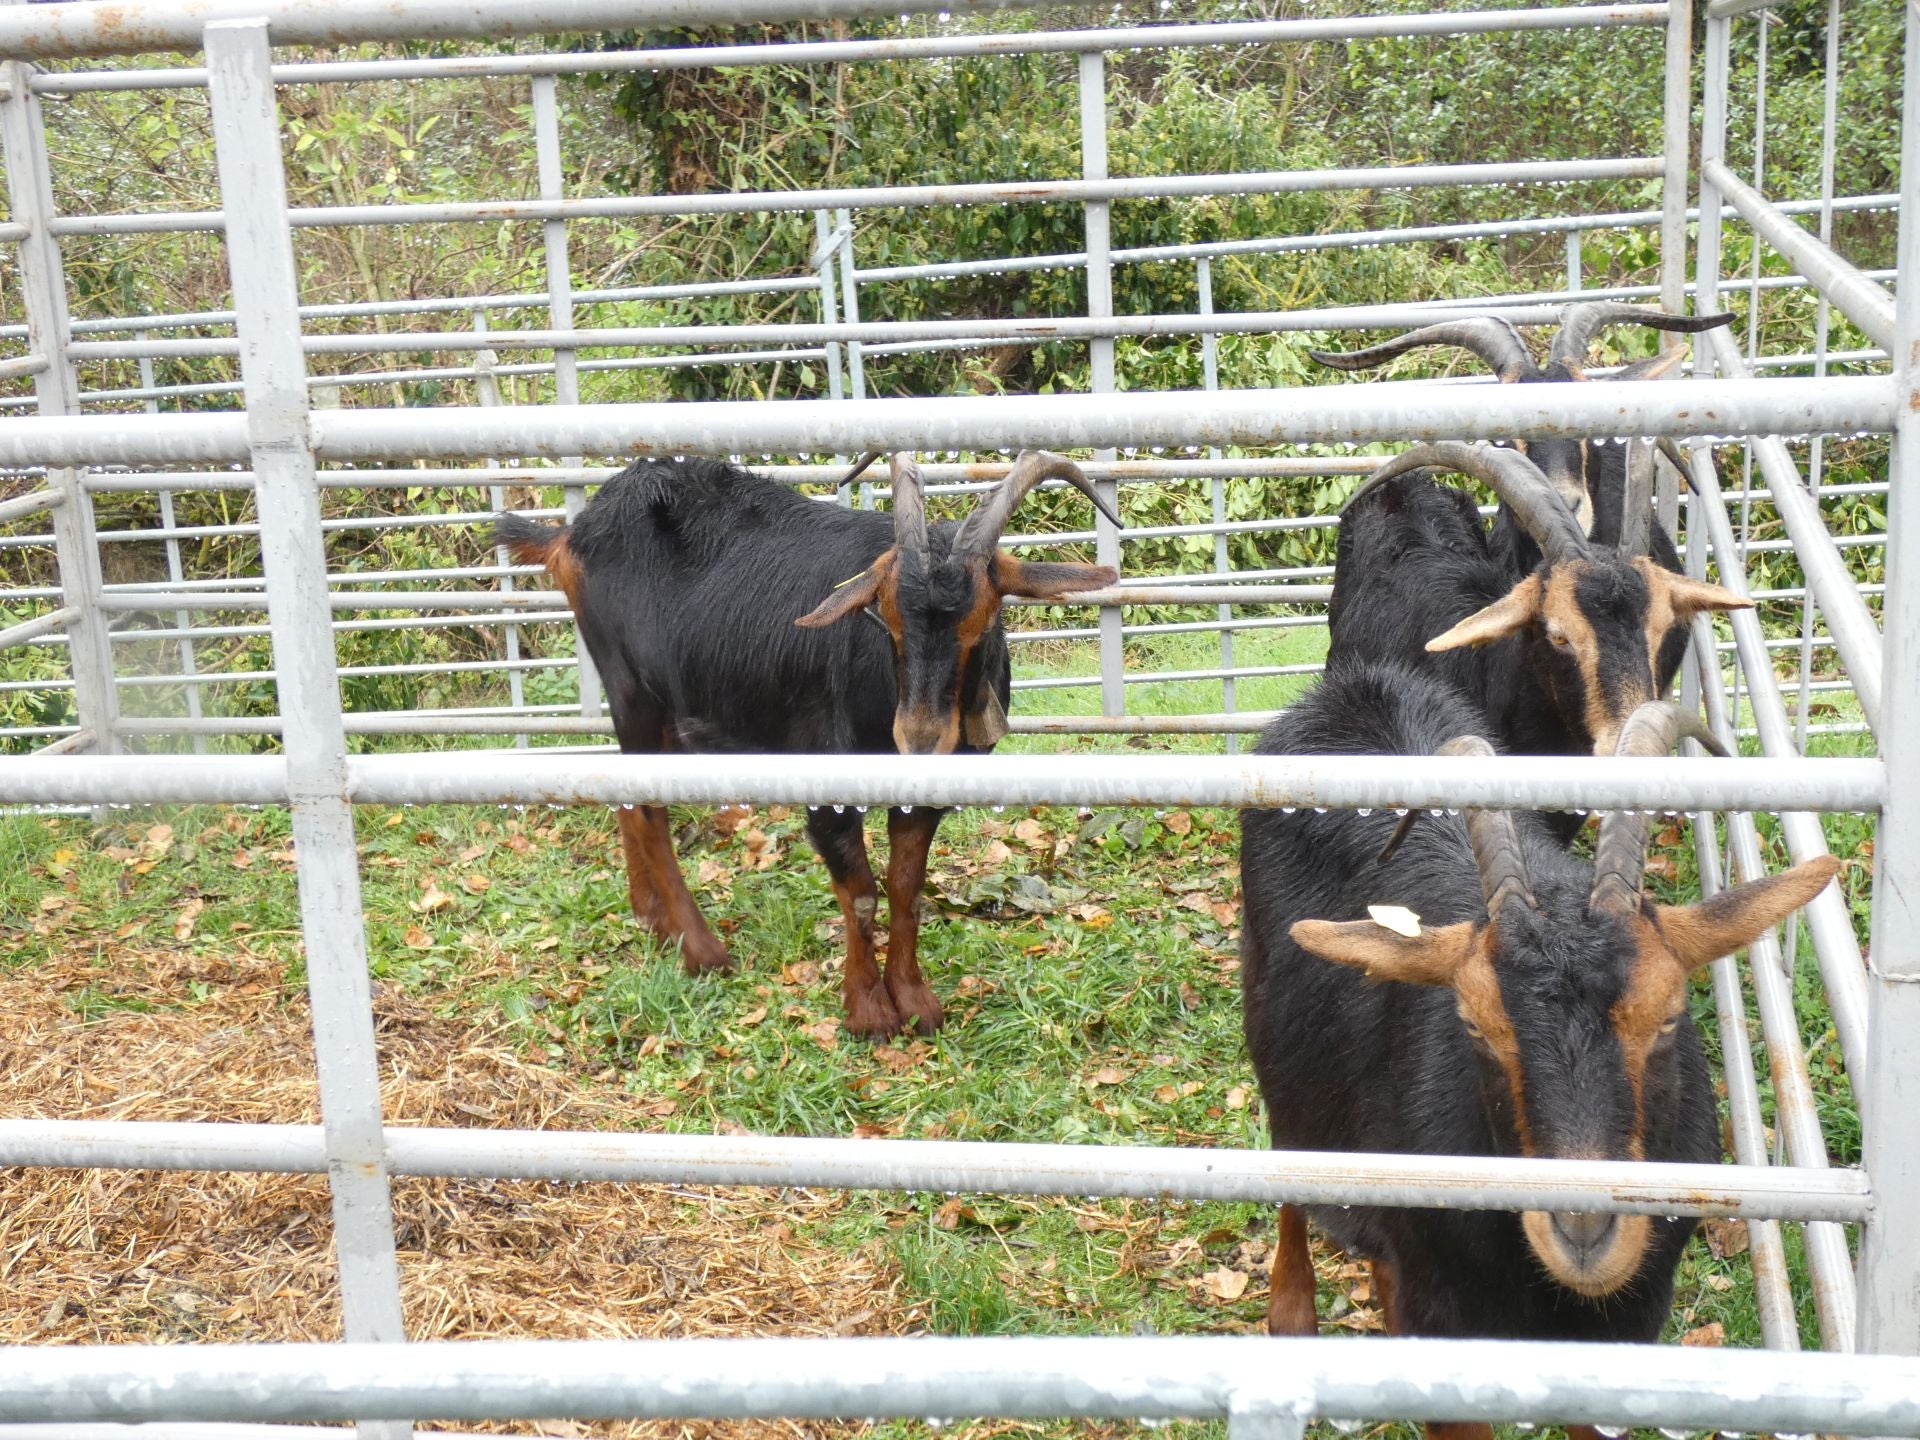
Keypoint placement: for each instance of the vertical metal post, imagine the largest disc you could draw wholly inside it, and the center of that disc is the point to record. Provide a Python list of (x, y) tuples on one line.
[(246, 134), (1093, 166), (1210, 371), (1573, 260), (850, 304), (43, 288), (1677, 135), (1890, 1090), (566, 365), (176, 572), (487, 390), (822, 262)]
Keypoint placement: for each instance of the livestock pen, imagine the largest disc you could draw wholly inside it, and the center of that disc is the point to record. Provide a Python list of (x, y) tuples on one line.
[(102, 721)]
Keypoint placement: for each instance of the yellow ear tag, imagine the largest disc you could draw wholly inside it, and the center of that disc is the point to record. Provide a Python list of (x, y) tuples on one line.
[(1396, 918), (851, 578)]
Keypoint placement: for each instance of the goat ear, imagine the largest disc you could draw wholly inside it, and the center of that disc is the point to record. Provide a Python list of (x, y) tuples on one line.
[(1432, 957), (1048, 579), (848, 596), (986, 726), (1515, 610), (1689, 597), (1700, 934)]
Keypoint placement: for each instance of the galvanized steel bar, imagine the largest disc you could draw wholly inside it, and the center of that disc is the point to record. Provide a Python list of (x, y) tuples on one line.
[(608, 207), (1862, 301), (36, 503), (917, 47), (992, 1167), (43, 292), (1123, 1377), (260, 253), (1093, 163), (39, 625), (1889, 1089), (1523, 781)]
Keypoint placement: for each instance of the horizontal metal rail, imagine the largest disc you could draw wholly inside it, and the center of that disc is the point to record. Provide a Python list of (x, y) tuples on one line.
[(38, 503), (1529, 782), (1246, 1378), (883, 197), (917, 47), (1145, 1171), (39, 625), (1343, 414)]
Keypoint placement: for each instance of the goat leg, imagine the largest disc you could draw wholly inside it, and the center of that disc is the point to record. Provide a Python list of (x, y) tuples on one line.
[(641, 896), (909, 836), (1290, 1288), (842, 843), (700, 948)]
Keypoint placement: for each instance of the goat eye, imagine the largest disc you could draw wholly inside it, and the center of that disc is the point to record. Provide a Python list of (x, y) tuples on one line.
[(1559, 637)]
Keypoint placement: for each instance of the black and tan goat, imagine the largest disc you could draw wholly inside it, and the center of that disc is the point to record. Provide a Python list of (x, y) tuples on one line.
[(708, 598), (1603, 484), (1556, 656), (1540, 1009)]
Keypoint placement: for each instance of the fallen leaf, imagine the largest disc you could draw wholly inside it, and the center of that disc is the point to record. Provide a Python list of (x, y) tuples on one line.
[(753, 1016), (712, 870), (548, 942), (1711, 1334), (1166, 1094), (1109, 1075), (160, 836), (826, 1033), (475, 884), (130, 929), (1225, 1284), (729, 818), (1237, 1098), (951, 1213), (869, 1130), (997, 853), (431, 899), (1197, 900), (183, 922), (1030, 832), (661, 1107), (472, 853), (801, 972), (1726, 1238), (242, 860), (1189, 997), (417, 939), (1178, 821)]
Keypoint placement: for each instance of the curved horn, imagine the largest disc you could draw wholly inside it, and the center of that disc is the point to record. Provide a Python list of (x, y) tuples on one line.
[(1493, 339), (1580, 322), (1636, 516), (909, 503), (867, 457), (1539, 508), (1496, 842), (1620, 850), (981, 530)]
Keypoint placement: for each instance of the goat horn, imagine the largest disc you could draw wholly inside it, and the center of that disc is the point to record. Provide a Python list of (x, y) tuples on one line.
[(981, 531), (1676, 458), (1541, 510), (1580, 322), (1496, 842), (909, 503), (1620, 850), (1493, 339), (867, 458), (1636, 515)]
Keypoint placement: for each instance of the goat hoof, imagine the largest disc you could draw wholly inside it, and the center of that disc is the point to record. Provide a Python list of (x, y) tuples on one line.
[(919, 1002), (870, 1013), (705, 957)]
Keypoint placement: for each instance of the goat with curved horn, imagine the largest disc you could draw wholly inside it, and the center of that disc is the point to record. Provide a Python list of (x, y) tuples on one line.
[(909, 504), (1497, 852), (1490, 337), (1620, 850)]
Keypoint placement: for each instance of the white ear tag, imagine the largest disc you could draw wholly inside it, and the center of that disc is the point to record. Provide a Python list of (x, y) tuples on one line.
[(1396, 918)]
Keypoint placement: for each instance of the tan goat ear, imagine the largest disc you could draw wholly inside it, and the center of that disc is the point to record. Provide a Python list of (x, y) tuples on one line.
[(1432, 957), (848, 596), (1689, 597), (986, 725), (1049, 579), (1700, 934), (1515, 610)]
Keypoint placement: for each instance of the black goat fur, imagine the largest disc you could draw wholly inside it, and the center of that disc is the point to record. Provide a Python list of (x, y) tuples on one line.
[(1349, 1064)]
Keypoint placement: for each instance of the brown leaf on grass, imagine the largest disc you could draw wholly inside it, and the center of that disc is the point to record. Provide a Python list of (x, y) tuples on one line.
[(1225, 1284), (417, 939), (472, 853), (183, 922), (1189, 997), (1030, 832), (997, 853), (1237, 1097), (753, 1016), (661, 1108), (475, 884), (1177, 821), (242, 859), (951, 1213), (431, 898), (825, 1033), (876, 1130), (1197, 901), (1710, 1334), (1166, 1094), (729, 818), (1726, 1238), (1109, 1075), (711, 870), (800, 973)]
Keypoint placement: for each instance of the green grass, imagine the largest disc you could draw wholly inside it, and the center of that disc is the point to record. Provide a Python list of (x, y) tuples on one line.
[(1090, 973)]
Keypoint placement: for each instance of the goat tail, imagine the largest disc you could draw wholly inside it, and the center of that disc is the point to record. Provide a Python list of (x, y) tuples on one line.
[(529, 542)]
